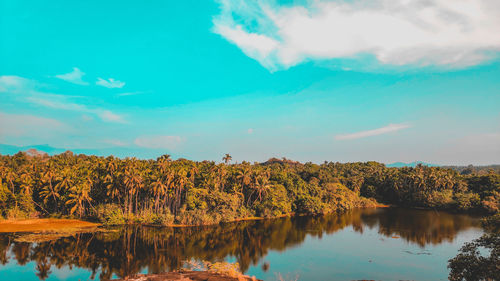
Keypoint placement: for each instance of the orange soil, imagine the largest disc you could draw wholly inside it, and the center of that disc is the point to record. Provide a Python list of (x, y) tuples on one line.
[(44, 225)]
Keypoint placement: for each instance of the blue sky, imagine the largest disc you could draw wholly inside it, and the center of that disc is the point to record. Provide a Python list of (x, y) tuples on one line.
[(307, 80)]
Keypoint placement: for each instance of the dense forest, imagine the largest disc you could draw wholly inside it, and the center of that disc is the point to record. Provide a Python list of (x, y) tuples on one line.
[(164, 191)]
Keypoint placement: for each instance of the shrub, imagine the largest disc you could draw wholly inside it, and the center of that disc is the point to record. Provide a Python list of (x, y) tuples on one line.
[(275, 203), (492, 203), (492, 223), (473, 262), (306, 204), (148, 216), (466, 200), (110, 214), (195, 217), (441, 199), (17, 213)]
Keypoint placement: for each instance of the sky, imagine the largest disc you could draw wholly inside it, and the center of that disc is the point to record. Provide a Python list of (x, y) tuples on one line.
[(345, 80)]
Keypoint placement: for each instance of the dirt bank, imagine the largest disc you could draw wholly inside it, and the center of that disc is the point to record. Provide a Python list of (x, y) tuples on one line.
[(45, 225)]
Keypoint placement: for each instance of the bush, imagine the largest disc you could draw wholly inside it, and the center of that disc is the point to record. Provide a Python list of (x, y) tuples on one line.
[(275, 203), (492, 203), (473, 262), (441, 199), (16, 213), (195, 217), (339, 198), (110, 214), (492, 223), (306, 204), (148, 216), (466, 200)]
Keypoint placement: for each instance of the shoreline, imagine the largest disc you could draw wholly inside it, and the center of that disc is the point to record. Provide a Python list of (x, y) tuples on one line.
[(54, 225)]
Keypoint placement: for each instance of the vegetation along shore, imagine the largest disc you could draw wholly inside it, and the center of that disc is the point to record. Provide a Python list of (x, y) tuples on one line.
[(183, 192)]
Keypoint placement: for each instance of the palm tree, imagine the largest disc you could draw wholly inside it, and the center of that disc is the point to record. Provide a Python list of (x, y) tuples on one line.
[(227, 158), (79, 197), (65, 179), (48, 189), (159, 189), (163, 162), (133, 182), (244, 175), (26, 183), (260, 184)]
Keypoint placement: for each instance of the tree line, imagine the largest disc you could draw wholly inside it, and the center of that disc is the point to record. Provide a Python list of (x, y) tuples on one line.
[(166, 191)]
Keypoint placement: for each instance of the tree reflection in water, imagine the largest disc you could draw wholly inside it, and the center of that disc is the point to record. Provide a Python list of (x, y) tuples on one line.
[(131, 249)]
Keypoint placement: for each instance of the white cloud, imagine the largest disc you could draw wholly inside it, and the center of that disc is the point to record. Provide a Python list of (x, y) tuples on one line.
[(380, 131), (450, 33), (115, 142), (27, 89), (13, 84), (28, 125), (109, 116), (74, 77), (254, 45), (158, 142), (60, 103), (126, 94), (110, 83)]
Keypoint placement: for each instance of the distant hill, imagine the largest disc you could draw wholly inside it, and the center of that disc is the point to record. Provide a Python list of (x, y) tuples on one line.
[(120, 152), (6, 149), (412, 164), (477, 170)]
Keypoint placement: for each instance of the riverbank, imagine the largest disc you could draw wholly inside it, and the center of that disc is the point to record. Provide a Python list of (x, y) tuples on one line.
[(45, 225), (52, 225)]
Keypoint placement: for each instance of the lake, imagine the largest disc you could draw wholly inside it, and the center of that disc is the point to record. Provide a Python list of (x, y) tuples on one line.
[(378, 244)]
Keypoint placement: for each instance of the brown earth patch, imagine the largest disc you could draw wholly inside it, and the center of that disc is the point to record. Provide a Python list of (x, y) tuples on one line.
[(187, 276), (45, 225)]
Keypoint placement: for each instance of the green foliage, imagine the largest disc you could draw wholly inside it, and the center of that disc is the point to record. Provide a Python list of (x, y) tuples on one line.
[(276, 203), (160, 191), (17, 213), (150, 217), (196, 217), (466, 200), (306, 204), (492, 223), (491, 203), (471, 264), (110, 214)]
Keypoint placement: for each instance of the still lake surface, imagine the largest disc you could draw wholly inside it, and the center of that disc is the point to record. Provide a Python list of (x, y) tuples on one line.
[(378, 244)]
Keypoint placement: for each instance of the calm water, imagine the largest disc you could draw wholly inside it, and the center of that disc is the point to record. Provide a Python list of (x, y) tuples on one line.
[(380, 244)]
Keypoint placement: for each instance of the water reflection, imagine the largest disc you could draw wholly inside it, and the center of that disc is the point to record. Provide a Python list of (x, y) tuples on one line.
[(132, 249)]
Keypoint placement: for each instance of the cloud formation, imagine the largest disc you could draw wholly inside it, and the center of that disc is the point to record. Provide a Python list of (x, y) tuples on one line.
[(12, 83), (110, 83), (20, 125), (27, 88), (380, 131), (74, 77), (158, 142), (58, 102), (444, 33)]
